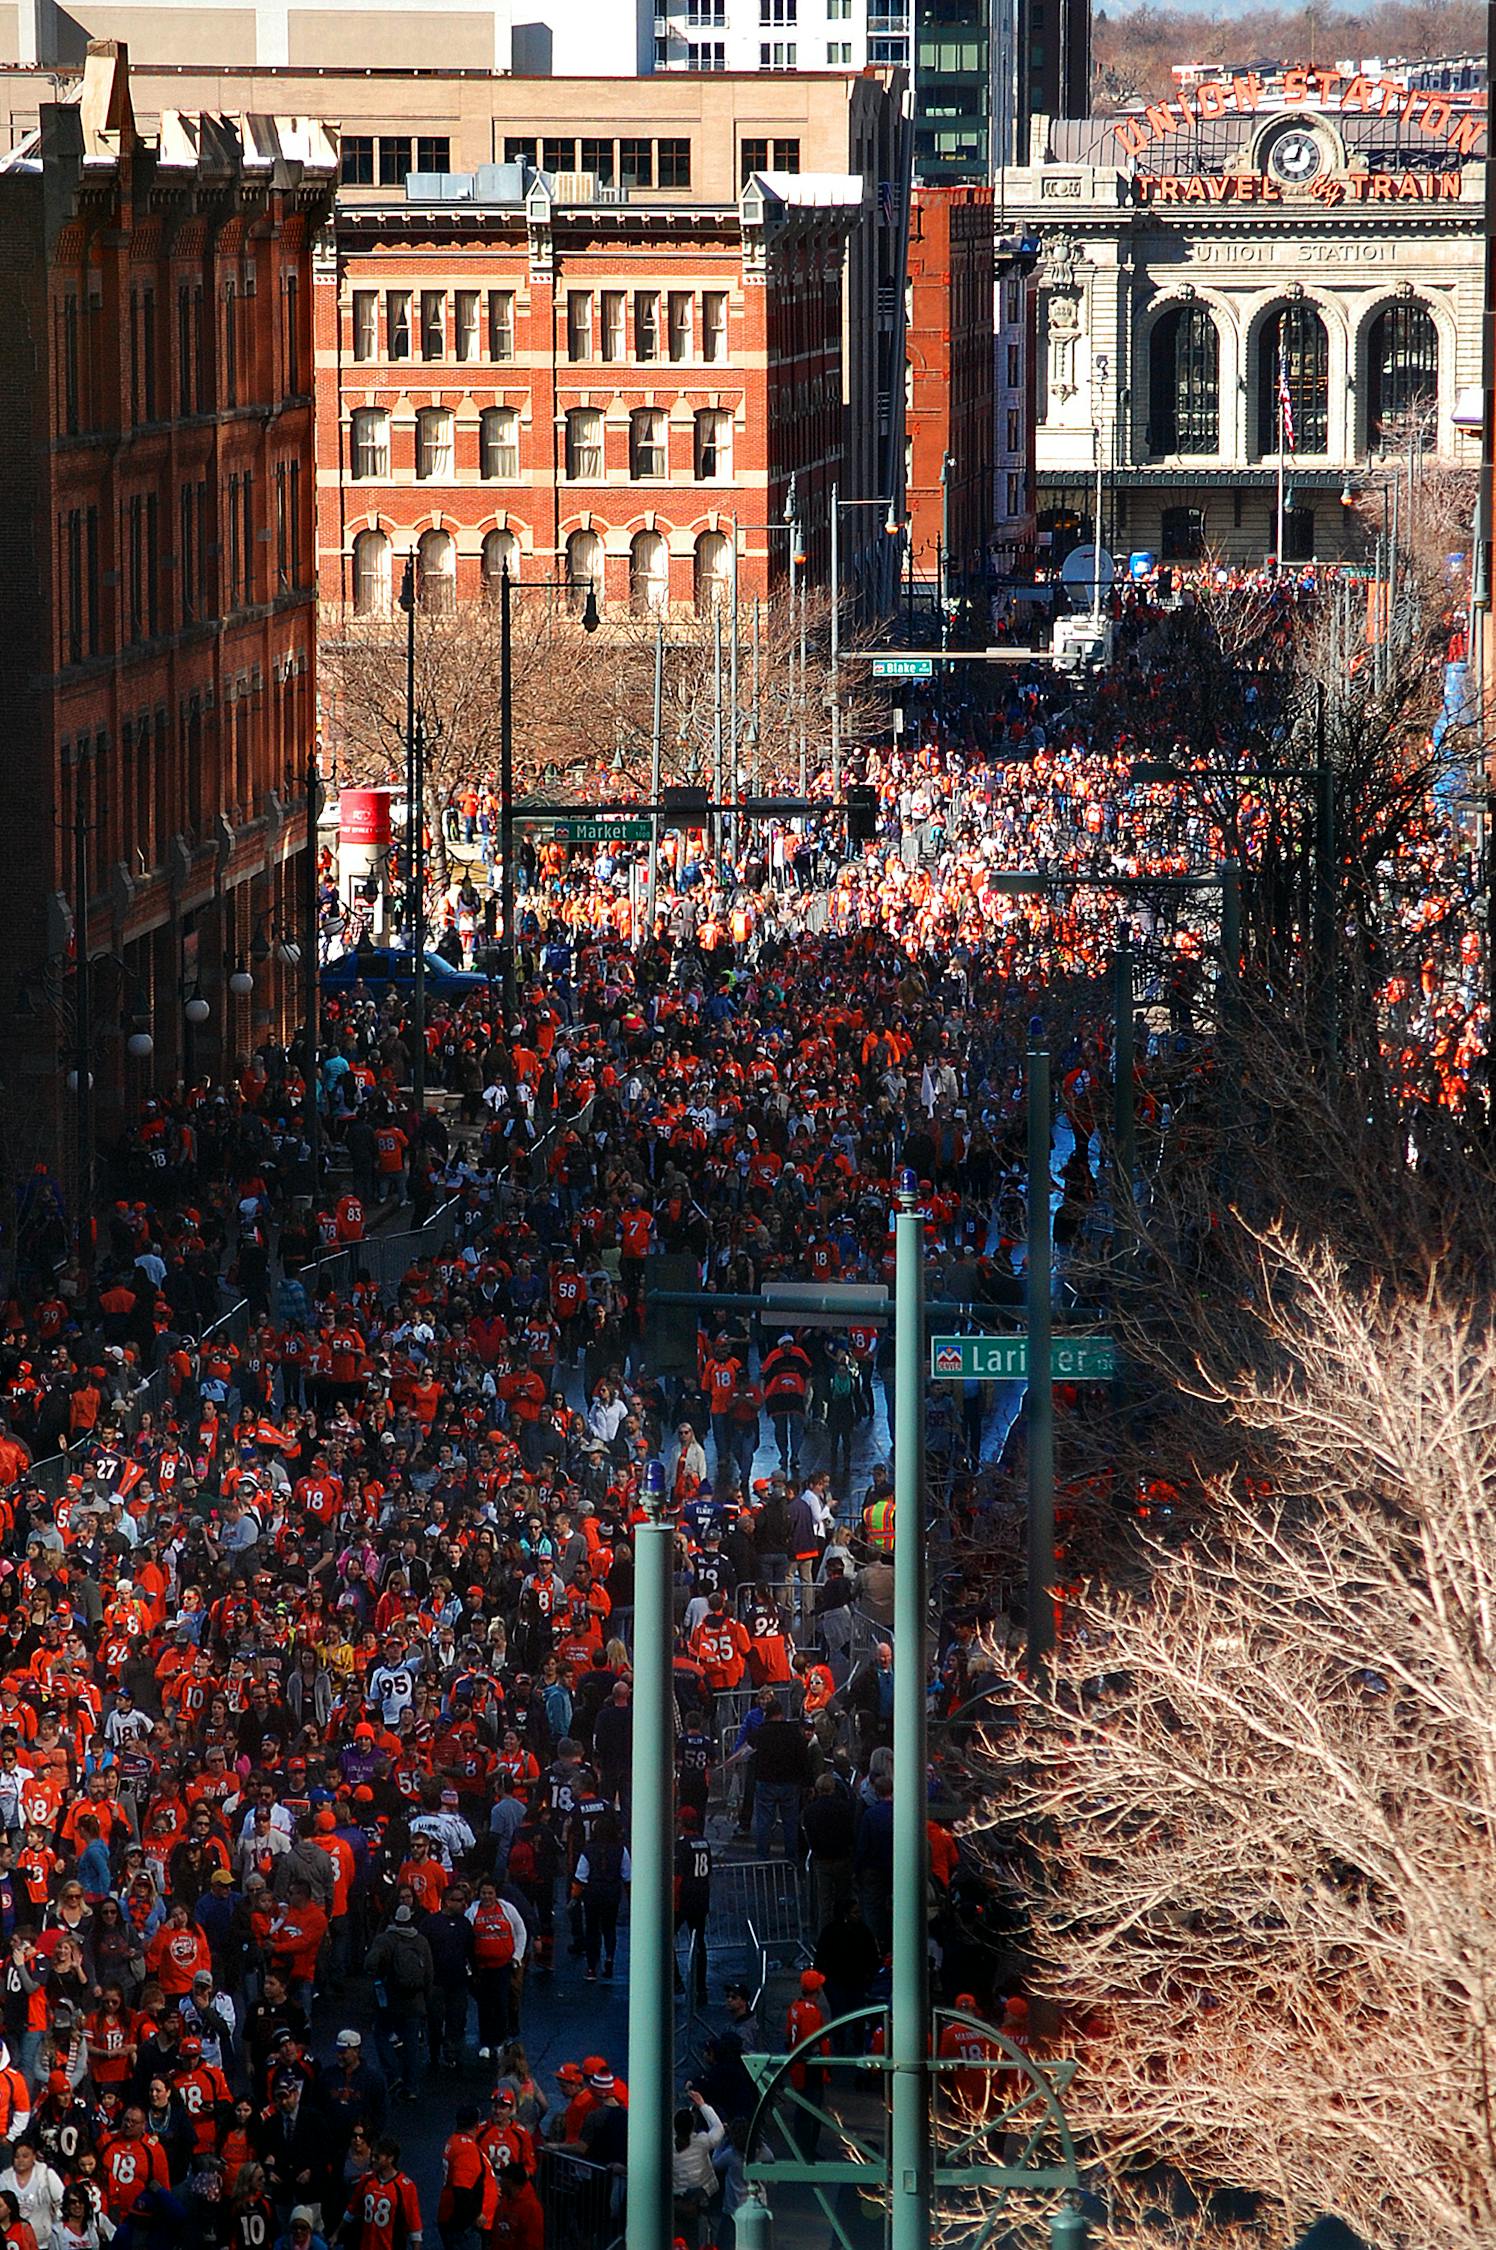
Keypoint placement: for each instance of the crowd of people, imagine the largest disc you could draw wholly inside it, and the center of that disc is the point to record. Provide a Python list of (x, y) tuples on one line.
[(315, 1727)]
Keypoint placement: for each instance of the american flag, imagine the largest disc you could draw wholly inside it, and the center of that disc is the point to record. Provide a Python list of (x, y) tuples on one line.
[(1285, 403), (887, 202)]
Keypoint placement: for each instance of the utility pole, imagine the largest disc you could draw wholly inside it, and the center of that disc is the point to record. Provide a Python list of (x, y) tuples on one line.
[(652, 893), (651, 2204), (312, 985), (1040, 1386), (909, 2027), (506, 792)]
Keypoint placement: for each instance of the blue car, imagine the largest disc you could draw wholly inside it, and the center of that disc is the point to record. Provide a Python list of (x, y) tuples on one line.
[(378, 966)]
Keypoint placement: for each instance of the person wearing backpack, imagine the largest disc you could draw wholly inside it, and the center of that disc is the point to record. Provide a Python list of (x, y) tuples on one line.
[(603, 1872), (498, 1950), (400, 1964), (841, 1414)]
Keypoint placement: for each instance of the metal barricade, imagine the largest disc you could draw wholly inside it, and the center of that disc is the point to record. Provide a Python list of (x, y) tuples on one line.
[(582, 2202), (758, 1907)]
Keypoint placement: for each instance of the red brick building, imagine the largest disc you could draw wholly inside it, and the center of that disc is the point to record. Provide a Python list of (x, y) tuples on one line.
[(950, 370), (513, 369), (158, 664)]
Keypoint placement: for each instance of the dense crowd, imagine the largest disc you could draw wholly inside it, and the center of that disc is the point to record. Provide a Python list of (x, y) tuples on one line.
[(315, 1728)]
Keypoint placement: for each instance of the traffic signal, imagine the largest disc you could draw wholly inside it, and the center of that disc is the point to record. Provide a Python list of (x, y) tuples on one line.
[(862, 814)]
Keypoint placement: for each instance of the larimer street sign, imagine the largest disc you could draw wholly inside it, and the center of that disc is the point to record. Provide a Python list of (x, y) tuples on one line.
[(1072, 1359)]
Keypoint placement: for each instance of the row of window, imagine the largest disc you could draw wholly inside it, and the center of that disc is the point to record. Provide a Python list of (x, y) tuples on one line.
[(382, 160), (164, 380), (465, 326), (498, 445), (632, 161), (1293, 378), (436, 569), (711, 54), (215, 571)]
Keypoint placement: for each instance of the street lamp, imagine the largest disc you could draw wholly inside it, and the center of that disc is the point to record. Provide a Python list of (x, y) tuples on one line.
[(591, 619)]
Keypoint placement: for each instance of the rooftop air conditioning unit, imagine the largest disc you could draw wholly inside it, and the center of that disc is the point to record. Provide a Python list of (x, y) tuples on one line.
[(576, 187)]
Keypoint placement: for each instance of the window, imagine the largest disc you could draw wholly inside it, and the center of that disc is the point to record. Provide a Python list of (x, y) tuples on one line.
[(1184, 355), (498, 443), (646, 324), (187, 553), (74, 603), (714, 327), (649, 574), (713, 568), (394, 159), (436, 572), (397, 323), (466, 302), (647, 443), (598, 159), (1293, 352), (365, 324), (558, 156), (614, 340), (777, 54), (371, 574), (713, 446), (1011, 424), (584, 444), (1013, 296), (778, 11), (1182, 535), (501, 324), (705, 15), (754, 156), (673, 164), (434, 443), (230, 344), (70, 365), (500, 553), (1014, 496), (370, 442), (433, 153), (636, 163), (247, 502), (584, 566), (1402, 370), (185, 339), (783, 156), (706, 54), (838, 54), (579, 324), (682, 311), (1014, 367), (521, 149), (433, 324), (144, 362), (358, 160)]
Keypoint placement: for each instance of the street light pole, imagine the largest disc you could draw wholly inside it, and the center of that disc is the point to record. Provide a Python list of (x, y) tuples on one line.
[(946, 466), (506, 792), (1040, 1387), (909, 2027), (652, 893), (651, 2204), (82, 1006), (835, 645), (311, 986), (415, 837), (716, 818)]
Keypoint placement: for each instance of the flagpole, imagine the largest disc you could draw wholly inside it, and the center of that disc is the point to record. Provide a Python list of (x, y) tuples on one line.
[(1281, 395)]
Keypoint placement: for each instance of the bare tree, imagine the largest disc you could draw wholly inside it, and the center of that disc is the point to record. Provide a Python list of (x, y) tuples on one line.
[(1259, 1792)]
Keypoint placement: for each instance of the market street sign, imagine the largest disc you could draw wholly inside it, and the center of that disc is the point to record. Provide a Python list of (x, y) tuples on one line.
[(903, 667), (986, 1359), (602, 831)]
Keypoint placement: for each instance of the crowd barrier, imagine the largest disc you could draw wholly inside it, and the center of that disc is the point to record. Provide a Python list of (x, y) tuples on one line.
[(582, 2202)]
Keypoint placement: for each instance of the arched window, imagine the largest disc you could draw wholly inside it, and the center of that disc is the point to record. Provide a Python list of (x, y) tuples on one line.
[(436, 572), (713, 570), (1402, 370), (371, 574), (500, 552), (649, 574), (1184, 382), (1293, 382), (584, 565)]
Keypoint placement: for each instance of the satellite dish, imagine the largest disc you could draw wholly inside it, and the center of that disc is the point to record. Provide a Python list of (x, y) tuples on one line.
[(1078, 574)]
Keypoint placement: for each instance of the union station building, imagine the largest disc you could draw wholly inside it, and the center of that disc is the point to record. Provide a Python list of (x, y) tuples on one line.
[(1243, 278)]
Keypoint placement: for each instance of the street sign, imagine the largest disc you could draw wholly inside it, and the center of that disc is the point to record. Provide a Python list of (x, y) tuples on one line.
[(987, 1359), (602, 831), (903, 667)]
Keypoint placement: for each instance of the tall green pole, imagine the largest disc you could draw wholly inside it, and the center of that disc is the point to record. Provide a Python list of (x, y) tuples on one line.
[(755, 2225), (652, 1899), (1040, 1386), (910, 2013), (1123, 1112)]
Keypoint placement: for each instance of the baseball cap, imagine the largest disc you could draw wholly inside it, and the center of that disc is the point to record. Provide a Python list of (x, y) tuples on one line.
[(811, 1980), (349, 2039), (220, 1875)]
